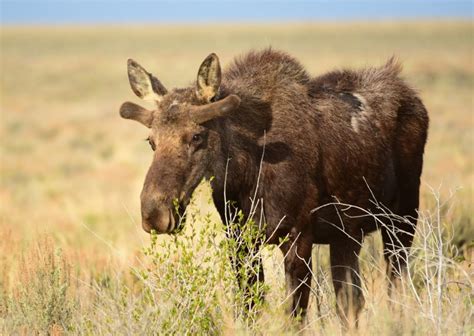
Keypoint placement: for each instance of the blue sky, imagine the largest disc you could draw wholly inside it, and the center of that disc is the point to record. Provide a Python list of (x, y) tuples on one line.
[(148, 11)]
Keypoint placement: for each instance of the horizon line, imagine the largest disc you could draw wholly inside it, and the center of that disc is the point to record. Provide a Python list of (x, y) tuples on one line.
[(118, 24)]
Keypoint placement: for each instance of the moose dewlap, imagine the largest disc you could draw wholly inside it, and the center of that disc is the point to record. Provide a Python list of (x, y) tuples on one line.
[(321, 152)]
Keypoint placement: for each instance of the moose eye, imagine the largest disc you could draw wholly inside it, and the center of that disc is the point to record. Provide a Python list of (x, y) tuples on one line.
[(152, 143), (197, 138)]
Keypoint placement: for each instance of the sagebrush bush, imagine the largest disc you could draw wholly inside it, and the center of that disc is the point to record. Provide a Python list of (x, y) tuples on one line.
[(41, 302), (185, 283)]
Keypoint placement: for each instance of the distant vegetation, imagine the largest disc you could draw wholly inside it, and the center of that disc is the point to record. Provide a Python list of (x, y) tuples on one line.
[(73, 257)]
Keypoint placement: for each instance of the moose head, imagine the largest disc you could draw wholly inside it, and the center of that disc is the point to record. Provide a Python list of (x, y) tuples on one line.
[(180, 136)]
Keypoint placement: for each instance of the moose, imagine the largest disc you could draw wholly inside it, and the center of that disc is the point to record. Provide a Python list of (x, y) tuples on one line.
[(307, 146)]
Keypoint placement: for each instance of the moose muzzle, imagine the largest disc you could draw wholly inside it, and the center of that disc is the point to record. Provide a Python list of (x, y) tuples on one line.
[(158, 218)]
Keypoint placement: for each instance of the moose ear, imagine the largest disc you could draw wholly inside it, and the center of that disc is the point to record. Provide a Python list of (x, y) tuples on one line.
[(209, 78), (144, 84), (135, 112)]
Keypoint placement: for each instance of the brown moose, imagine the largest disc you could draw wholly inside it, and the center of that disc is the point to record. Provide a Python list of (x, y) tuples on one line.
[(346, 137)]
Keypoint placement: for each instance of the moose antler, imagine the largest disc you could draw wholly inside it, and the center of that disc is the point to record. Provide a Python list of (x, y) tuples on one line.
[(203, 113)]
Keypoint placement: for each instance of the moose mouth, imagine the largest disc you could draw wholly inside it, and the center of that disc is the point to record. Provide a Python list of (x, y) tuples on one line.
[(177, 218), (164, 216)]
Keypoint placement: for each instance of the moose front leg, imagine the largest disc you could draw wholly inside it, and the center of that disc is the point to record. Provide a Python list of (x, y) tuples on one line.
[(298, 274)]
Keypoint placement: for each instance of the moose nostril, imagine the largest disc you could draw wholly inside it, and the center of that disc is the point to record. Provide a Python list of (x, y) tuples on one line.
[(156, 218), (151, 215), (149, 218)]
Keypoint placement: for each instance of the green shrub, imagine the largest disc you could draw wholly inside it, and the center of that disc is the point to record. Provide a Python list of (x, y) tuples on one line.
[(41, 302)]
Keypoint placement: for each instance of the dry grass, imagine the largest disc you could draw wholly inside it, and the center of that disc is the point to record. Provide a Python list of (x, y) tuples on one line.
[(72, 170)]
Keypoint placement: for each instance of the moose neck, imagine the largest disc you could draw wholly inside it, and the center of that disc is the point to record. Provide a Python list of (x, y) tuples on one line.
[(235, 166)]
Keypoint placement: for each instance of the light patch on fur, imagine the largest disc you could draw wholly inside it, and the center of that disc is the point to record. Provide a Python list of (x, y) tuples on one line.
[(355, 124), (360, 117), (362, 100), (174, 107)]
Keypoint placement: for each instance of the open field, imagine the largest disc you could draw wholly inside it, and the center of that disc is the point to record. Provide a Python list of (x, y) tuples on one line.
[(71, 173)]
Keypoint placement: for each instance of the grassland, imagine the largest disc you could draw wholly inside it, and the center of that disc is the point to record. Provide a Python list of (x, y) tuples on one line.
[(71, 248)]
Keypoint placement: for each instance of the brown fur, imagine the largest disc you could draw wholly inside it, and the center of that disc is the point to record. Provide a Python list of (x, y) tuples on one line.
[(346, 136)]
